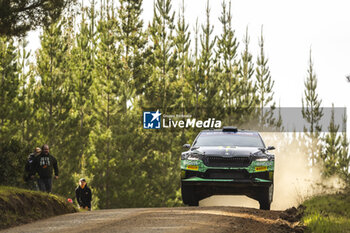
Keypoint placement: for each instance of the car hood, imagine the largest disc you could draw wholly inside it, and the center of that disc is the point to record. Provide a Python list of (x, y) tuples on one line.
[(227, 151)]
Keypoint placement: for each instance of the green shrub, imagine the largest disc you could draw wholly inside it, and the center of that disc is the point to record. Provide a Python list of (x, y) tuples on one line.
[(328, 213)]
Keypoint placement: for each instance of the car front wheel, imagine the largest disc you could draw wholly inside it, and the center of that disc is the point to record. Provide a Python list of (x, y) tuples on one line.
[(266, 196), (188, 195)]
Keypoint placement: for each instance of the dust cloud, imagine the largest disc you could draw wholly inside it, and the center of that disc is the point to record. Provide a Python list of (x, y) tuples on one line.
[(294, 179)]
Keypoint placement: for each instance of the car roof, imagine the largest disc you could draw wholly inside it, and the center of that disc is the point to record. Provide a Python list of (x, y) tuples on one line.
[(222, 130)]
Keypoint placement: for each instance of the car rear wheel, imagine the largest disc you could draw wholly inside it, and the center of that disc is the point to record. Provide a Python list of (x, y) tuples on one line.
[(188, 195), (266, 197)]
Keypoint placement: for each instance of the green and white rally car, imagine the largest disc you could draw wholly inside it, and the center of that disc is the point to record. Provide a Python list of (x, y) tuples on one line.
[(227, 161)]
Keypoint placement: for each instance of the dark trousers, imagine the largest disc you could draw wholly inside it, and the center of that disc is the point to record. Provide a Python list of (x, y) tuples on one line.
[(32, 185), (45, 184)]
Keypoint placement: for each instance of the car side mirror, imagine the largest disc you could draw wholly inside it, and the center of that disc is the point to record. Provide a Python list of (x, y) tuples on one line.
[(186, 146), (270, 148)]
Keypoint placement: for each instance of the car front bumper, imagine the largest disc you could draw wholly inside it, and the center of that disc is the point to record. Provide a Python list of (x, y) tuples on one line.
[(256, 182), (255, 174)]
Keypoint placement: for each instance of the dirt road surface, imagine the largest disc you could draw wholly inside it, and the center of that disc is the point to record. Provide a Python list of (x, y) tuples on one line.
[(182, 219)]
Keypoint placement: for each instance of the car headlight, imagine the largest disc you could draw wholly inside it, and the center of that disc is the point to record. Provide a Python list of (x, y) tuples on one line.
[(193, 157), (265, 159)]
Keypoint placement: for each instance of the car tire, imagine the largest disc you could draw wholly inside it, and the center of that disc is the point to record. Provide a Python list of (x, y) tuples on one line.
[(188, 195), (266, 196)]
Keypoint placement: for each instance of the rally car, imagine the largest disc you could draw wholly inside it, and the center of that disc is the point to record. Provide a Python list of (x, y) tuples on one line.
[(227, 161)]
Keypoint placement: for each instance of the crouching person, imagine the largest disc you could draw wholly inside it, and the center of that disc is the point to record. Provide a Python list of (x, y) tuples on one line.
[(83, 195)]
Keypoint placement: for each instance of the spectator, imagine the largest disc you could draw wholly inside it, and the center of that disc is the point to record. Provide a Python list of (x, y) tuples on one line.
[(43, 165), (83, 195), (29, 168)]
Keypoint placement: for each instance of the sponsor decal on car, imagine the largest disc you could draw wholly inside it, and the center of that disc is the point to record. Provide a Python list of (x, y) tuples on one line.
[(189, 162), (192, 167), (268, 163), (261, 169)]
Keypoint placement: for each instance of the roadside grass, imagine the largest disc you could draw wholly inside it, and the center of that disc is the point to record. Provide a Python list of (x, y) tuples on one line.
[(328, 213), (19, 206)]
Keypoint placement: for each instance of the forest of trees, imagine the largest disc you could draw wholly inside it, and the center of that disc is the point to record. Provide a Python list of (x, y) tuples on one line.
[(100, 66)]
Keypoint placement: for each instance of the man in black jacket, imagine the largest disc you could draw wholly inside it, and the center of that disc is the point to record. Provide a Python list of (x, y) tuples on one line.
[(83, 195), (29, 168), (43, 165)]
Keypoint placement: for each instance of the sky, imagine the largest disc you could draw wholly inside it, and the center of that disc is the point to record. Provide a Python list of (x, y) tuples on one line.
[(290, 29)]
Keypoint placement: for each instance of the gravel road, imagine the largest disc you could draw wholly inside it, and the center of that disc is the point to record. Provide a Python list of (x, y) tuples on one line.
[(153, 220)]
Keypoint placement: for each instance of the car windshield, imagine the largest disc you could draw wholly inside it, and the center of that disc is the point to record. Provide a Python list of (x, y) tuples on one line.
[(242, 139)]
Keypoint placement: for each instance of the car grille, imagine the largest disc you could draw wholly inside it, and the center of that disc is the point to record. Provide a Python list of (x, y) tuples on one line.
[(226, 174), (216, 161)]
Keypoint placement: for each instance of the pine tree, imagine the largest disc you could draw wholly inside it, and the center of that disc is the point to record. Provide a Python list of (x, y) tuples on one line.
[(194, 82), (53, 101), (331, 149), (206, 70), (27, 85), (11, 149), (91, 14), (312, 113), (162, 62), (264, 87), (105, 89), (227, 55), (247, 100), (52, 97), (182, 50), (227, 64), (9, 87), (20, 16), (344, 156), (131, 181), (132, 41), (161, 160), (81, 63), (182, 44)]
